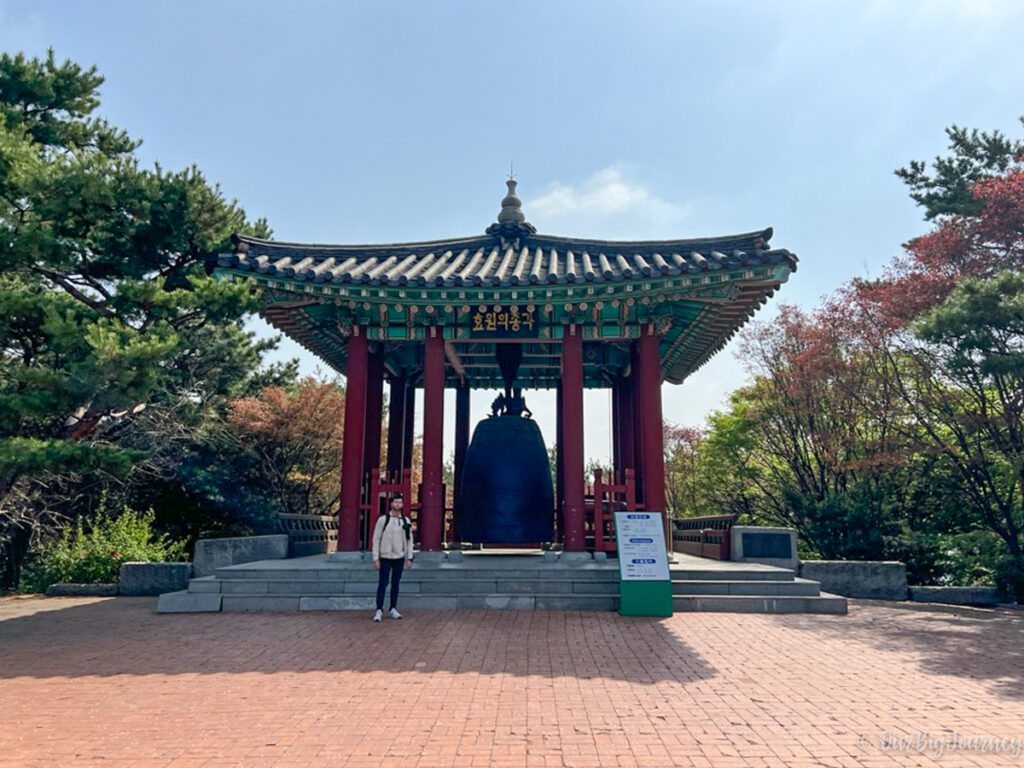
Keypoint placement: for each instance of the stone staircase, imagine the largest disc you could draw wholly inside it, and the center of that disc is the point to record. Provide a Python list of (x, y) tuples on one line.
[(494, 581)]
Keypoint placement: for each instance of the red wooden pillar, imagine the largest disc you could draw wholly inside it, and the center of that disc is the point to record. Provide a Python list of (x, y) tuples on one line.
[(461, 430), (616, 395), (409, 428), (572, 437), (432, 509), (374, 411), (352, 448), (396, 428), (559, 485), (636, 388), (461, 444), (653, 429), (623, 438)]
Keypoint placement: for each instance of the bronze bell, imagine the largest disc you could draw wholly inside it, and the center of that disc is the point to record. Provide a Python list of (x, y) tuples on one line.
[(505, 494)]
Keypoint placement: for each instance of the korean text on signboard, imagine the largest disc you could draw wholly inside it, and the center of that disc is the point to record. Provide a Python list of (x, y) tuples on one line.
[(502, 323), (641, 541)]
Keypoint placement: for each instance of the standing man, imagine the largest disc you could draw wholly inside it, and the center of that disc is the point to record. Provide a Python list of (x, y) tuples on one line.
[(392, 552)]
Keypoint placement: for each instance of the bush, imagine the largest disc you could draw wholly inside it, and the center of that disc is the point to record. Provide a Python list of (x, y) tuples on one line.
[(93, 553)]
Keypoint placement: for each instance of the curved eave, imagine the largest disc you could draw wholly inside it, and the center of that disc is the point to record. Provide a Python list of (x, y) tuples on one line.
[(698, 313), (498, 262)]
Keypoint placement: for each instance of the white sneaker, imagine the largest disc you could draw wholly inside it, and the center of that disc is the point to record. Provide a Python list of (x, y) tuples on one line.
[(378, 615), (394, 614)]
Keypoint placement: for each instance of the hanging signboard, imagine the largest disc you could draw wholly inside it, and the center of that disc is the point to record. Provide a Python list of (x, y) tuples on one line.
[(502, 322), (645, 586)]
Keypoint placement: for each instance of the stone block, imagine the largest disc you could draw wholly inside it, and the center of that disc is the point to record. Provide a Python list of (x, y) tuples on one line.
[(751, 604), (349, 557), (701, 587), (759, 544), (206, 585), (82, 590), (337, 603), (499, 602), (319, 587), (431, 602), (430, 558), (211, 554), (533, 586), (438, 586), (875, 579), (187, 602), (596, 587), (243, 587), (258, 603), (455, 556), (370, 587), (153, 578), (957, 595), (574, 603), (575, 558)]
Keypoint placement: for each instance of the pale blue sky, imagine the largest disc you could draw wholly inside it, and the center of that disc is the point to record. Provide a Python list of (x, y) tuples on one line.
[(375, 122)]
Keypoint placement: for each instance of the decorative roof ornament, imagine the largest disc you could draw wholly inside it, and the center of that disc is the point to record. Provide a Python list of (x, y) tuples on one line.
[(511, 223)]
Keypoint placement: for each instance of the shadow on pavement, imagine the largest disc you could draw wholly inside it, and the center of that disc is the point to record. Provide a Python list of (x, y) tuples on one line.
[(975, 644), (70, 637)]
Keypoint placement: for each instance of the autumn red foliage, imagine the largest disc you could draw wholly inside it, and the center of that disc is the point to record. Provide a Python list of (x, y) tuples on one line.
[(296, 437), (887, 422)]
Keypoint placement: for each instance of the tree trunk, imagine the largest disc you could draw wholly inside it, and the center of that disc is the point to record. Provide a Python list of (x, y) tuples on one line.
[(15, 549)]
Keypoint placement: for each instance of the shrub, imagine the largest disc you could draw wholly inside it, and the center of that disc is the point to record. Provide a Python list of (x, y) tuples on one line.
[(92, 553)]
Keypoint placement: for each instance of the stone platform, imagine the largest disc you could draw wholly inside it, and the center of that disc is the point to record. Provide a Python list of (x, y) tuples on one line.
[(524, 580)]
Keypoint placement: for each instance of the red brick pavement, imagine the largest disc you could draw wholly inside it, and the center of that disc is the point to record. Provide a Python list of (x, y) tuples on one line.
[(107, 682)]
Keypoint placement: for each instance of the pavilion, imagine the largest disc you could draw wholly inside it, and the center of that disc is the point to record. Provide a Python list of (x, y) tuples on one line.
[(625, 316)]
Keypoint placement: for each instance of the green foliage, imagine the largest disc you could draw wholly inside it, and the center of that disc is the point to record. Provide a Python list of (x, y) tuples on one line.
[(946, 189), (93, 553), (117, 347), (25, 455), (852, 525), (972, 558)]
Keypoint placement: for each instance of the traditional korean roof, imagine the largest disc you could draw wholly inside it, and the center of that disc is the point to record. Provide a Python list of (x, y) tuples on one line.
[(493, 261), (698, 291)]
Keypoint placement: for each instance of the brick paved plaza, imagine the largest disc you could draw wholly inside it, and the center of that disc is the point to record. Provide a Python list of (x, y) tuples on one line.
[(107, 682)]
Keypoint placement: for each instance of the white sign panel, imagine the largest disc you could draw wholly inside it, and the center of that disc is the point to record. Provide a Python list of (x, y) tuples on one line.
[(641, 540)]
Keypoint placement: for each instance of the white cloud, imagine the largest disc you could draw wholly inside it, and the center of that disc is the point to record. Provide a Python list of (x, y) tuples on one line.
[(608, 204)]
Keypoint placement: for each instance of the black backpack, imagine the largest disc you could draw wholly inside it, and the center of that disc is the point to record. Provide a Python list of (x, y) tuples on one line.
[(406, 524)]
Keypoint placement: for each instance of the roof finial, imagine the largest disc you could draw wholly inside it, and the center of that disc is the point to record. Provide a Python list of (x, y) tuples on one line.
[(511, 206), (511, 221)]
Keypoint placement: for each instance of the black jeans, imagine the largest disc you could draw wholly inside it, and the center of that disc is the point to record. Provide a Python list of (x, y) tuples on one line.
[(393, 569)]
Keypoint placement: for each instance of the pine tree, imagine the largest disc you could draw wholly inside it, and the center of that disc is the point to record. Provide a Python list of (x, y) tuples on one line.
[(106, 308)]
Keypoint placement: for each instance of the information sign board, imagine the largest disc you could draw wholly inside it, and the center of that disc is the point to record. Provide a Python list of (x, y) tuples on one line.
[(645, 586)]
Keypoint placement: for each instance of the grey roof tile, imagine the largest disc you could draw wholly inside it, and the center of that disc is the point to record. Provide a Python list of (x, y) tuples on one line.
[(493, 261)]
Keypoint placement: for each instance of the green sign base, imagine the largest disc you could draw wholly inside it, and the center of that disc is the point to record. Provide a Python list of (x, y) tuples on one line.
[(645, 598)]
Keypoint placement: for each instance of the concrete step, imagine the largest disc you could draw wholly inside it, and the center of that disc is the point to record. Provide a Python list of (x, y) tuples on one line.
[(793, 587), (196, 602), (451, 573), (823, 603), (188, 602), (418, 602), (731, 574), (429, 587)]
